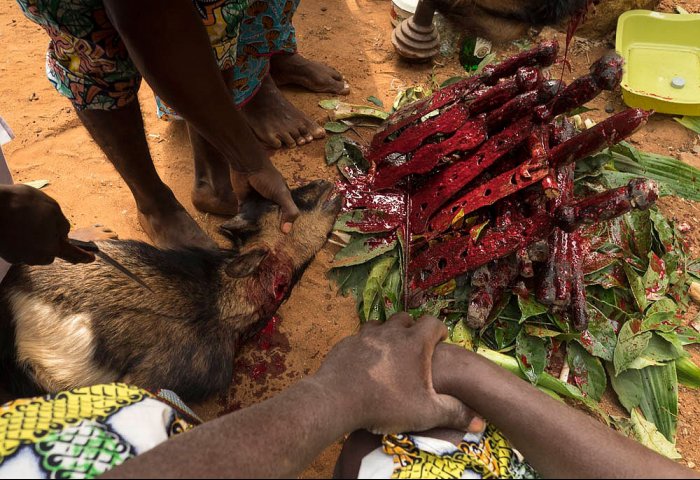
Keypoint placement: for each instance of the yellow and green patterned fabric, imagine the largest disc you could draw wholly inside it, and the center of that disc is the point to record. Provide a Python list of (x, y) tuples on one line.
[(86, 432)]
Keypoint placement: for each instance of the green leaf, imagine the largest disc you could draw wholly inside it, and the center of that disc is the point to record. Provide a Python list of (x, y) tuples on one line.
[(657, 352), (674, 177), (630, 346), (345, 111), (336, 127), (655, 391), (462, 336), (451, 81), (637, 287), (375, 101), (600, 338), (375, 282), (505, 332), (646, 433), (363, 249), (330, 104), (540, 332), (580, 111), (531, 355), (335, 148), (691, 123), (529, 307), (688, 372), (488, 60)]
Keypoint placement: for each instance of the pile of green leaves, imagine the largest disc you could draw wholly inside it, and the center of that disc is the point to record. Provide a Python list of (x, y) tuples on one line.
[(637, 284)]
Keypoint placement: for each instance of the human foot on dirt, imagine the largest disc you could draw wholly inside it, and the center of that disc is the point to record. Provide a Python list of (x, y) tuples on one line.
[(293, 69), (95, 233), (174, 229), (277, 122)]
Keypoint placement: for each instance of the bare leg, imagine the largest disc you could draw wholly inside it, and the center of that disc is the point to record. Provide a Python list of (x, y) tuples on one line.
[(120, 134), (293, 69), (212, 191)]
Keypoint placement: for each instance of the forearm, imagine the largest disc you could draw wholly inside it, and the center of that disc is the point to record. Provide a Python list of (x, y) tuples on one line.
[(558, 441), (276, 438), (170, 47)]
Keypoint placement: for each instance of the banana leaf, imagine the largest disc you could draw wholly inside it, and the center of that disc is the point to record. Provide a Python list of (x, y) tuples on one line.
[(674, 177), (692, 123)]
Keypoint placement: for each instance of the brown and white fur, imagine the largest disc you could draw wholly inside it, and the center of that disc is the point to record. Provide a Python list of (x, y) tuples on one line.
[(78, 325)]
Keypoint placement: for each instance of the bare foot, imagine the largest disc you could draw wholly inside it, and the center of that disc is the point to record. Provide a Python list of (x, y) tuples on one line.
[(174, 229), (95, 233), (293, 69), (277, 122), (206, 198)]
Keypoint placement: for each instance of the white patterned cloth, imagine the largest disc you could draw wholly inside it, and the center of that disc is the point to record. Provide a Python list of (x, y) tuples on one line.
[(5, 179)]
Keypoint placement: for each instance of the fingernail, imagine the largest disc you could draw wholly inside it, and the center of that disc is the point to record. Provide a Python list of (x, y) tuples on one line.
[(477, 425), (287, 227)]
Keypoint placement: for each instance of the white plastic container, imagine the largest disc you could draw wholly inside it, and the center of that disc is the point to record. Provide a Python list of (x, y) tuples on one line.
[(401, 10)]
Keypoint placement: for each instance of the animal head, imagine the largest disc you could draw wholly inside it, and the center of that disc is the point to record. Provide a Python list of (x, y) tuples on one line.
[(504, 20), (275, 258)]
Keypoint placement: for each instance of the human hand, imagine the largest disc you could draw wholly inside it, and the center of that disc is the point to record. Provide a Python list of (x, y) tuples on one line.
[(384, 377), (34, 229), (269, 183)]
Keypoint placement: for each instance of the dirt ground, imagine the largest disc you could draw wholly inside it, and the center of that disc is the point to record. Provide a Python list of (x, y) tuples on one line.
[(354, 37)]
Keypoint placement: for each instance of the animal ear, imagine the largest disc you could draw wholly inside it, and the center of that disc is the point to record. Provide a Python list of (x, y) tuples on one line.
[(238, 227), (246, 263)]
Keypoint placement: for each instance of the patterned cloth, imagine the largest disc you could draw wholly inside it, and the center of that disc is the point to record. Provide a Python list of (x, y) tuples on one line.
[(266, 30), (88, 63), (86, 432), (488, 455)]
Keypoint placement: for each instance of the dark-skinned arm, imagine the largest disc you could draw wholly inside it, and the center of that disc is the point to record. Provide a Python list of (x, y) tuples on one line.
[(169, 45), (557, 440), (379, 379)]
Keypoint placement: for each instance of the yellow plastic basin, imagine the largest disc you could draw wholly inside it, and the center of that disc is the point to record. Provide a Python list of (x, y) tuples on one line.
[(660, 50)]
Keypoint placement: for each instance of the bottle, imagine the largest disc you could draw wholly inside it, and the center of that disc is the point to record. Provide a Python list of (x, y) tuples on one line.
[(473, 51)]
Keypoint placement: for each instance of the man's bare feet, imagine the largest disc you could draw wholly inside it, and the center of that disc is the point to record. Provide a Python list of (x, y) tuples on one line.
[(174, 229), (277, 122), (293, 69), (95, 233)]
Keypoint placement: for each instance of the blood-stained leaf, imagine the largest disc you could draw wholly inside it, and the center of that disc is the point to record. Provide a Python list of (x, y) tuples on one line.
[(476, 231), (363, 249), (630, 345), (531, 354), (600, 338), (640, 223), (637, 287), (610, 276), (367, 221), (663, 230), (505, 333), (657, 352), (529, 307), (587, 372), (655, 279)]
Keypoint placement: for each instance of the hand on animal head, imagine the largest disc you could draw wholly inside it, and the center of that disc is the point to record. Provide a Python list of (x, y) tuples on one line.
[(262, 246), (505, 20)]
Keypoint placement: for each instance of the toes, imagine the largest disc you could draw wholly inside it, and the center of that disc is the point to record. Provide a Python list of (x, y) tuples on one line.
[(271, 140), (316, 130), (287, 139)]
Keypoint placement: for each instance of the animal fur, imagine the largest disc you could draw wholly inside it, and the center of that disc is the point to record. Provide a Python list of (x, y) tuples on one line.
[(503, 20), (77, 325)]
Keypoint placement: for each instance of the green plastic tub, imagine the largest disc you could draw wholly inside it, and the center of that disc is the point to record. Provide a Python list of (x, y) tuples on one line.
[(662, 56)]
